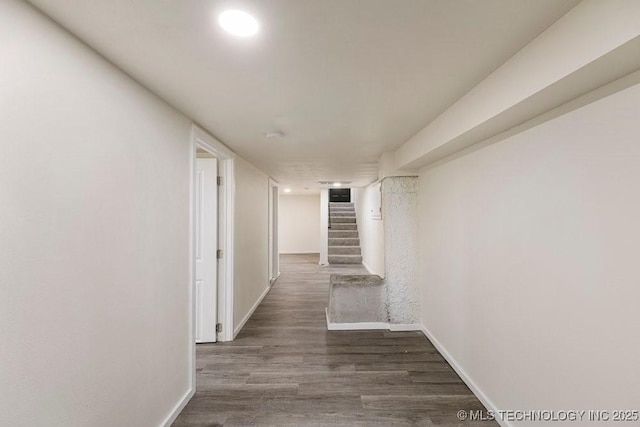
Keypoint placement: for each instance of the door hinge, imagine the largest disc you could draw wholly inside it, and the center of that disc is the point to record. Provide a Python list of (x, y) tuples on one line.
[(218, 327), (219, 180), (219, 254)]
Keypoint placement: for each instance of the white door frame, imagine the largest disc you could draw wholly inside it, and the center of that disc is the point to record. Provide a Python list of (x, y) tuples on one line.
[(274, 252), (324, 226), (226, 202)]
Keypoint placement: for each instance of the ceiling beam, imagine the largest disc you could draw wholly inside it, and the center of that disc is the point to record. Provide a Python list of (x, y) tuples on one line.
[(595, 43)]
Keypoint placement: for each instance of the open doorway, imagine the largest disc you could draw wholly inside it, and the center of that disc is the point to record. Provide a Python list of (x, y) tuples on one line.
[(206, 242), (211, 207), (299, 228), (339, 195)]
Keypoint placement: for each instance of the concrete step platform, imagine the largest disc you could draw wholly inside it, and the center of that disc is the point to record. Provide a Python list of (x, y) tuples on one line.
[(340, 204), (357, 299), (356, 279)]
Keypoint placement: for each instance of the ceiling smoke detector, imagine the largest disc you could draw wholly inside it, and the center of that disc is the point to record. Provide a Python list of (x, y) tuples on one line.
[(276, 134)]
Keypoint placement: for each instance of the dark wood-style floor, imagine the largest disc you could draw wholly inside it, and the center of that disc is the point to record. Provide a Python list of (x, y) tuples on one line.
[(285, 368)]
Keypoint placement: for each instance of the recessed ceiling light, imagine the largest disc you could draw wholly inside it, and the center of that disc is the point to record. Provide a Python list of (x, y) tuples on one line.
[(332, 182), (287, 190), (238, 23), (337, 184)]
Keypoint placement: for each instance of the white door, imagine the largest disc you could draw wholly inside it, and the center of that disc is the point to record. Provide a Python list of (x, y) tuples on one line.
[(206, 223)]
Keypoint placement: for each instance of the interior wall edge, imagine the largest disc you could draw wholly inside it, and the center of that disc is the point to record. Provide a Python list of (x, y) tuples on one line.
[(477, 391)]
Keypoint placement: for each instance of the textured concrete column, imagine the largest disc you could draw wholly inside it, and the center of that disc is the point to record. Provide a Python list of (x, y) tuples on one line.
[(399, 213)]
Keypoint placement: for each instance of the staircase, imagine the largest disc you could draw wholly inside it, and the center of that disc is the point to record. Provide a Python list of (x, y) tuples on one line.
[(344, 243)]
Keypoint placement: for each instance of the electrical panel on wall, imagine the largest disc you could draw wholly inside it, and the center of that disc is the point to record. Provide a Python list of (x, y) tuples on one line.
[(376, 210)]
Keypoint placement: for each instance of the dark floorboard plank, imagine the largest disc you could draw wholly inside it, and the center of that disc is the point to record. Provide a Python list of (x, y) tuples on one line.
[(405, 366), (412, 403), (279, 367), (357, 419), (339, 388), (313, 378)]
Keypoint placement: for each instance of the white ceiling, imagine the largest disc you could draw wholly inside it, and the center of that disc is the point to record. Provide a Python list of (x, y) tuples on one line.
[(344, 80)]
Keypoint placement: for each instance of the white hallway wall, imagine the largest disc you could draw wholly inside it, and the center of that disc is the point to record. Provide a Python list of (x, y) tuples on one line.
[(94, 231), (251, 240), (529, 260), (94, 235), (299, 224), (370, 230)]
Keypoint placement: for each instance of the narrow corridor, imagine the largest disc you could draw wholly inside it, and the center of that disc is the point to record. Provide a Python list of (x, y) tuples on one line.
[(285, 368)]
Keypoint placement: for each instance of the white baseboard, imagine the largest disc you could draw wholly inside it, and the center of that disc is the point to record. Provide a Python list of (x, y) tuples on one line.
[(362, 326), (179, 407), (366, 266), (300, 253), (248, 315), (370, 271), (405, 327), (486, 401), (272, 281)]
